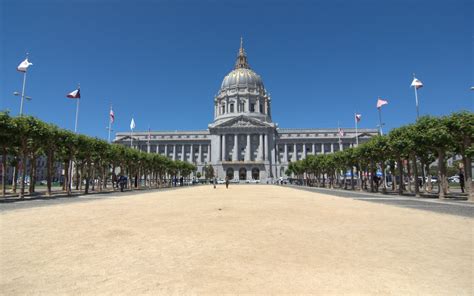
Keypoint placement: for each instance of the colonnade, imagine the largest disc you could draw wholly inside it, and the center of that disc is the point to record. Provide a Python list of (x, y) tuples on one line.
[(294, 155), (200, 158), (262, 147)]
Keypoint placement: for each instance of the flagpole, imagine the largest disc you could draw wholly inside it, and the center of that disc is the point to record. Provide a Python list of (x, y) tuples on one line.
[(416, 100), (77, 115), (339, 136), (148, 142), (23, 92), (380, 120), (357, 133), (110, 124), (75, 131)]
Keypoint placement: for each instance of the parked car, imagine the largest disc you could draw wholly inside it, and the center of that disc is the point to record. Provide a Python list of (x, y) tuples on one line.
[(453, 179), (220, 181), (43, 182)]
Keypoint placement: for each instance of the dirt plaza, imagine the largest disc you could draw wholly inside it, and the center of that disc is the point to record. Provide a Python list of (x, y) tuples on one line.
[(258, 239)]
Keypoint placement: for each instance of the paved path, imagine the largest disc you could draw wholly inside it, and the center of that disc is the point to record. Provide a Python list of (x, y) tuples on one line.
[(451, 207)]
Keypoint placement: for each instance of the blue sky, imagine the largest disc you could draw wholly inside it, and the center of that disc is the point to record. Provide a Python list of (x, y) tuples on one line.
[(162, 62)]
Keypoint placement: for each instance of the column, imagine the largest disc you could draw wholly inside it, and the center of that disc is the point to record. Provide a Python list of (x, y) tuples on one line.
[(304, 150), (285, 154), (157, 151), (235, 154), (266, 150), (332, 147), (209, 153), (247, 149), (314, 149), (166, 150), (260, 147), (294, 156), (174, 152), (322, 148), (223, 149), (182, 152), (199, 159), (192, 153)]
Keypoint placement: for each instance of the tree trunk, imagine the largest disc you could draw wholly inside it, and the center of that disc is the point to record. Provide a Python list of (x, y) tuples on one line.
[(409, 176), (4, 171), (88, 177), (49, 169), (468, 171), (400, 172), (66, 175), (394, 177), (352, 178), (23, 174), (372, 174), (384, 178), (428, 184), (415, 172), (15, 173), (31, 188), (442, 181), (423, 174), (92, 177)]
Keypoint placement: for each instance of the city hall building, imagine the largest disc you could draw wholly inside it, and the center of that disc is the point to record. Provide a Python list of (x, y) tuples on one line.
[(243, 142)]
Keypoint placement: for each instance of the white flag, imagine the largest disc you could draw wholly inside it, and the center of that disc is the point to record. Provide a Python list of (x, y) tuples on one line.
[(416, 83), (23, 66), (132, 124)]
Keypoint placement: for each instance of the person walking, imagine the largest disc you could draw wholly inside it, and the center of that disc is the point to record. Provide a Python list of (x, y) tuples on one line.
[(461, 180), (214, 181), (227, 182)]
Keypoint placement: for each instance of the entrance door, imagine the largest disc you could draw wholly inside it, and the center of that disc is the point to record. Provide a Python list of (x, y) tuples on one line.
[(243, 174), (230, 173), (255, 174)]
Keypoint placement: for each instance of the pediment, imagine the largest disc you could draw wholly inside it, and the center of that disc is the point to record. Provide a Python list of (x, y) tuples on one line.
[(241, 122)]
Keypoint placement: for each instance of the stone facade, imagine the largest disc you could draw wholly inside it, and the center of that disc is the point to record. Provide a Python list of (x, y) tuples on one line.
[(243, 142)]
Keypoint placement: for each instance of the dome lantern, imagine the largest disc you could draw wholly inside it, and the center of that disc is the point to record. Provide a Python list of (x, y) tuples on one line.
[(241, 61)]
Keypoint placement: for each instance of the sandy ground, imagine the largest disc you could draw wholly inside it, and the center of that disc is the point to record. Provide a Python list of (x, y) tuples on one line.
[(247, 239)]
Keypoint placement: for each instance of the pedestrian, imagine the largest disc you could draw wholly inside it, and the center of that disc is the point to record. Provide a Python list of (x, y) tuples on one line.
[(214, 181), (122, 181), (461, 180), (227, 182)]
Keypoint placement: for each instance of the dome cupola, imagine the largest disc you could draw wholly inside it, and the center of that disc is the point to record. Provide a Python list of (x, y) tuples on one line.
[(242, 92)]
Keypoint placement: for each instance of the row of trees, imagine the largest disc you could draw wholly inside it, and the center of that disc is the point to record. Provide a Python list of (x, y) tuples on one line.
[(23, 139), (407, 152)]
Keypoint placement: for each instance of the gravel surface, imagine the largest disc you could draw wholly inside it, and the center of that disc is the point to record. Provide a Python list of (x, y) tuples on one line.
[(248, 239)]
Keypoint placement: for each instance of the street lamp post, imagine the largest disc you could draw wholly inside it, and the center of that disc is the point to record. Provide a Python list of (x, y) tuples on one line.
[(23, 97)]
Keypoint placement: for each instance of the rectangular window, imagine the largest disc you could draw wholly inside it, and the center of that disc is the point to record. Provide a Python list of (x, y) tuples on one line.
[(252, 107), (231, 108), (223, 109)]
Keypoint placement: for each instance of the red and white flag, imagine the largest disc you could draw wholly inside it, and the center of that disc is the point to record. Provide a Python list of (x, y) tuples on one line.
[(358, 117), (23, 66), (381, 102), (112, 116), (416, 83), (341, 132), (74, 94)]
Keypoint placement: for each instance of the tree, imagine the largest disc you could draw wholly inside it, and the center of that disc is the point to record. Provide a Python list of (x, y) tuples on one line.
[(436, 136), (461, 126), (7, 140)]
